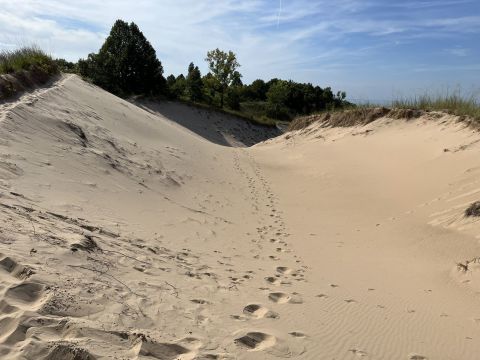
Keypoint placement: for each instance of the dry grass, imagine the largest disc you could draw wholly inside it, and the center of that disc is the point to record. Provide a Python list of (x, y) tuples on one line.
[(353, 117), (466, 108), (451, 103)]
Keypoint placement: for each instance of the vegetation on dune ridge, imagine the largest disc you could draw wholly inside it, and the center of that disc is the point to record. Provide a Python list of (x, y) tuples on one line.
[(466, 108), (127, 65), (24, 68), (455, 104), (26, 59)]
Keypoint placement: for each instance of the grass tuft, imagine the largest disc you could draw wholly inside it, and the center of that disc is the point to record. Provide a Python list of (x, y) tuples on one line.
[(450, 103), (23, 69), (26, 59), (473, 209)]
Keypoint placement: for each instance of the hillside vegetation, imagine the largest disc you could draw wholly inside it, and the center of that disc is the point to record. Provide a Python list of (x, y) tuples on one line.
[(23, 68), (127, 65), (455, 104), (467, 109)]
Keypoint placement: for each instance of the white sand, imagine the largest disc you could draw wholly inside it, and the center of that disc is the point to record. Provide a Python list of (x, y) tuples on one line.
[(124, 235)]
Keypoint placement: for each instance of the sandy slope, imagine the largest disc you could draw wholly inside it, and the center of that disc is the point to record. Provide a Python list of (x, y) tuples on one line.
[(126, 235)]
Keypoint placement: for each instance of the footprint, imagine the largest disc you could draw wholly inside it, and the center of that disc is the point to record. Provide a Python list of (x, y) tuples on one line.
[(297, 334), (416, 357), (163, 351), (8, 325), (295, 299), (272, 280), (19, 271), (284, 270), (279, 297), (259, 311), (27, 294), (6, 308), (282, 298), (200, 301), (256, 341), (238, 317), (357, 352)]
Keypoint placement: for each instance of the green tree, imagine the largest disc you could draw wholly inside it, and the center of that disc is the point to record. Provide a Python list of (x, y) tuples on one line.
[(277, 97), (223, 67), (194, 84), (126, 63), (179, 87), (232, 97), (208, 88), (257, 90)]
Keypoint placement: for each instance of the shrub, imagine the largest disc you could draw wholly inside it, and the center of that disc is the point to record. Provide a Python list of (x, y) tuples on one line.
[(473, 209)]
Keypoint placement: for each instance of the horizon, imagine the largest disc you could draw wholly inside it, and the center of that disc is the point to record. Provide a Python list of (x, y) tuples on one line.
[(375, 52)]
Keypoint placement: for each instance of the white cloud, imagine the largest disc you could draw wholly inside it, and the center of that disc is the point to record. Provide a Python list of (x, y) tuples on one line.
[(316, 40)]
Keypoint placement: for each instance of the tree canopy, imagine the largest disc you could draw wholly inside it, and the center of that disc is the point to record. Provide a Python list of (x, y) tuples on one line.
[(194, 84), (223, 67), (126, 63)]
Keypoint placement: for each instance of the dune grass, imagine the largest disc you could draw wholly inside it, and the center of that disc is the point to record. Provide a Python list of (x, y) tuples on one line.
[(467, 108), (26, 59), (24, 69), (449, 103)]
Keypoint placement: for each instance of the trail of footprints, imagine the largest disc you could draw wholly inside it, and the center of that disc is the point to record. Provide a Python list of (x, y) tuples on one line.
[(270, 242)]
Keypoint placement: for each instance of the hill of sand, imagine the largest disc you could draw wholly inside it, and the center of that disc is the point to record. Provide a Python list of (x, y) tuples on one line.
[(140, 232)]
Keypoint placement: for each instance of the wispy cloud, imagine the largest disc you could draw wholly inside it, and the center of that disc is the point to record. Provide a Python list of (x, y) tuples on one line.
[(457, 51), (336, 43)]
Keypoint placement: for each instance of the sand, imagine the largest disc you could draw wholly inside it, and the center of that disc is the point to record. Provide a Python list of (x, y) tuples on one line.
[(134, 232)]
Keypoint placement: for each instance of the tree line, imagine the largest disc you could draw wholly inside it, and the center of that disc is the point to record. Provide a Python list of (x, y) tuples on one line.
[(127, 64)]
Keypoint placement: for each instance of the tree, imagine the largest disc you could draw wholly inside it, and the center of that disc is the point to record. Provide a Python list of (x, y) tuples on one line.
[(208, 88), (257, 90), (179, 86), (236, 79), (223, 67), (194, 84), (126, 63), (277, 97), (232, 97)]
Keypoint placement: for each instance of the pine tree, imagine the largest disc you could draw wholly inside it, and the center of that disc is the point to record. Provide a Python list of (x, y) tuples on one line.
[(194, 85), (126, 63)]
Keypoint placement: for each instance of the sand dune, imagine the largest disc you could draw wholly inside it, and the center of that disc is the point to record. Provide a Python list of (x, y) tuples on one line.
[(151, 232)]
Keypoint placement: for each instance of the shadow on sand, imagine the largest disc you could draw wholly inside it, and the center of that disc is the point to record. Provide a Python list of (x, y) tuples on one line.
[(217, 127)]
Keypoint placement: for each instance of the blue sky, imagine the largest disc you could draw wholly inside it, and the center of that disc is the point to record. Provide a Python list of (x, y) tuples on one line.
[(375, 50)]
